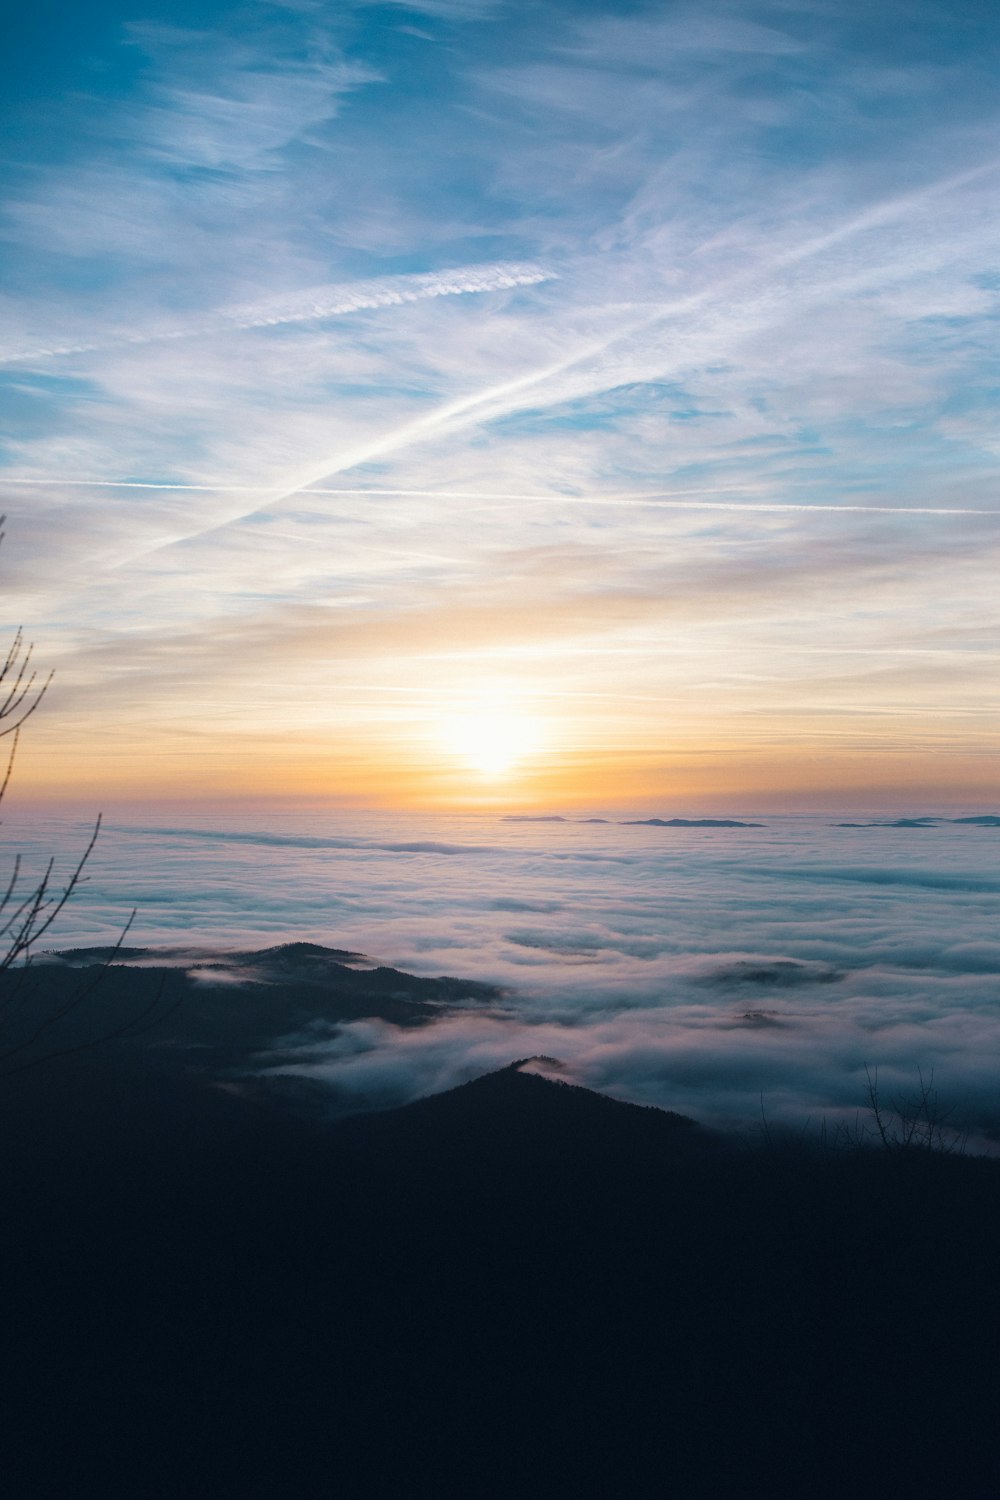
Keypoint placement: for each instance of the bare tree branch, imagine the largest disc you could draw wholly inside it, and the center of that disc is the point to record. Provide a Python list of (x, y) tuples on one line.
[(29, 908)]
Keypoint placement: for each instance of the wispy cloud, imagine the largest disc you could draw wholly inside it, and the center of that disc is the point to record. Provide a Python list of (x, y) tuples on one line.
[(446, 10), (598, 358), (311, 305), (630, 370)]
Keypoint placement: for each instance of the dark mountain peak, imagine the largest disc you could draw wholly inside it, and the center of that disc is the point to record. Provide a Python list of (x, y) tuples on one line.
[(280, 954), (295, 954), (782, 973), (505, 1119), (78, 958)]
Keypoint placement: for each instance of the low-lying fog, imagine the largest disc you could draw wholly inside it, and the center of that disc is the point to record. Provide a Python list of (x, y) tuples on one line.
[(712, 970)]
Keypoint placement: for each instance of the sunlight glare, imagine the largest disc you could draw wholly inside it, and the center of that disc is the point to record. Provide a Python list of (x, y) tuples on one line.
[(492, 741)]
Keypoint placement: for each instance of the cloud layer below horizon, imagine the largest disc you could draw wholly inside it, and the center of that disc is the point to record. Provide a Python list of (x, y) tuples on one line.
[(703, 970)]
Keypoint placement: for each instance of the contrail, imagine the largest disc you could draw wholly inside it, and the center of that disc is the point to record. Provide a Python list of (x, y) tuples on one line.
[(636, 498), (134, 484), (314, 305), (470, 410), (668, 502)]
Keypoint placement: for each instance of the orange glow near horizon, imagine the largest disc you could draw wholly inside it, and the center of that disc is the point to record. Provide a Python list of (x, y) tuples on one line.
[(496, 752), (547, 690), (693, 502)]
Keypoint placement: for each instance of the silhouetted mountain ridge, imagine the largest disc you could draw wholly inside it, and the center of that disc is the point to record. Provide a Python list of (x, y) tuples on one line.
[(984, 820), (487, 1116), (211, 1010), (633, 822), (688, 823)]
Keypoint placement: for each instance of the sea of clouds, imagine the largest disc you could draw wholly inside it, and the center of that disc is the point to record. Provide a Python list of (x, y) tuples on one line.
[(723, 972)]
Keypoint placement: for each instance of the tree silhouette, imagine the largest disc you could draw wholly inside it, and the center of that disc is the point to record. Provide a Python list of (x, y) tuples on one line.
[(27, 909), (29, 906)]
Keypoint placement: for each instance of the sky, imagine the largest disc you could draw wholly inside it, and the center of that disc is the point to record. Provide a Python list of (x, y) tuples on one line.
[(487, 404)]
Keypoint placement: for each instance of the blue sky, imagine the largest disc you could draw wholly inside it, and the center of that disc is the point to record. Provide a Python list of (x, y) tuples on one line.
[(648, 351)]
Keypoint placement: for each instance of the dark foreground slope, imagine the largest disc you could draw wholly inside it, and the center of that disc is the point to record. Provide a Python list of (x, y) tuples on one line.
[(514, 1289)]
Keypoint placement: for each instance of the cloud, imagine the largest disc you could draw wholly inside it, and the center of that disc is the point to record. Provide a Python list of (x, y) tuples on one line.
[(777, 973), (719, 492), (721, 1070), (708, 482), (666, 973), (314, 304), (942, 880), (445, 10), (287, 841), (641, 41)]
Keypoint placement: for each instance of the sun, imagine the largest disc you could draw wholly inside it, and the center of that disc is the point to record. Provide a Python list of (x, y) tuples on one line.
[(492, 741)]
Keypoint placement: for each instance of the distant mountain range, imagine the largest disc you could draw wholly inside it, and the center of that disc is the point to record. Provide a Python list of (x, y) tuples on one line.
[(986, 820), (635, 822), (688, 823)]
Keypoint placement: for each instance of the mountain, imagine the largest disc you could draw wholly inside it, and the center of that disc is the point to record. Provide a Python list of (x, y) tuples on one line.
[(688, 823), (207, 1010), (897, 823), (634, 822), (513, 1288), (511, 1117), (985, 820)]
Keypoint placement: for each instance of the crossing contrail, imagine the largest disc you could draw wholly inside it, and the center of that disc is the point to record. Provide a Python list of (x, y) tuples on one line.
[(635, 498)]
